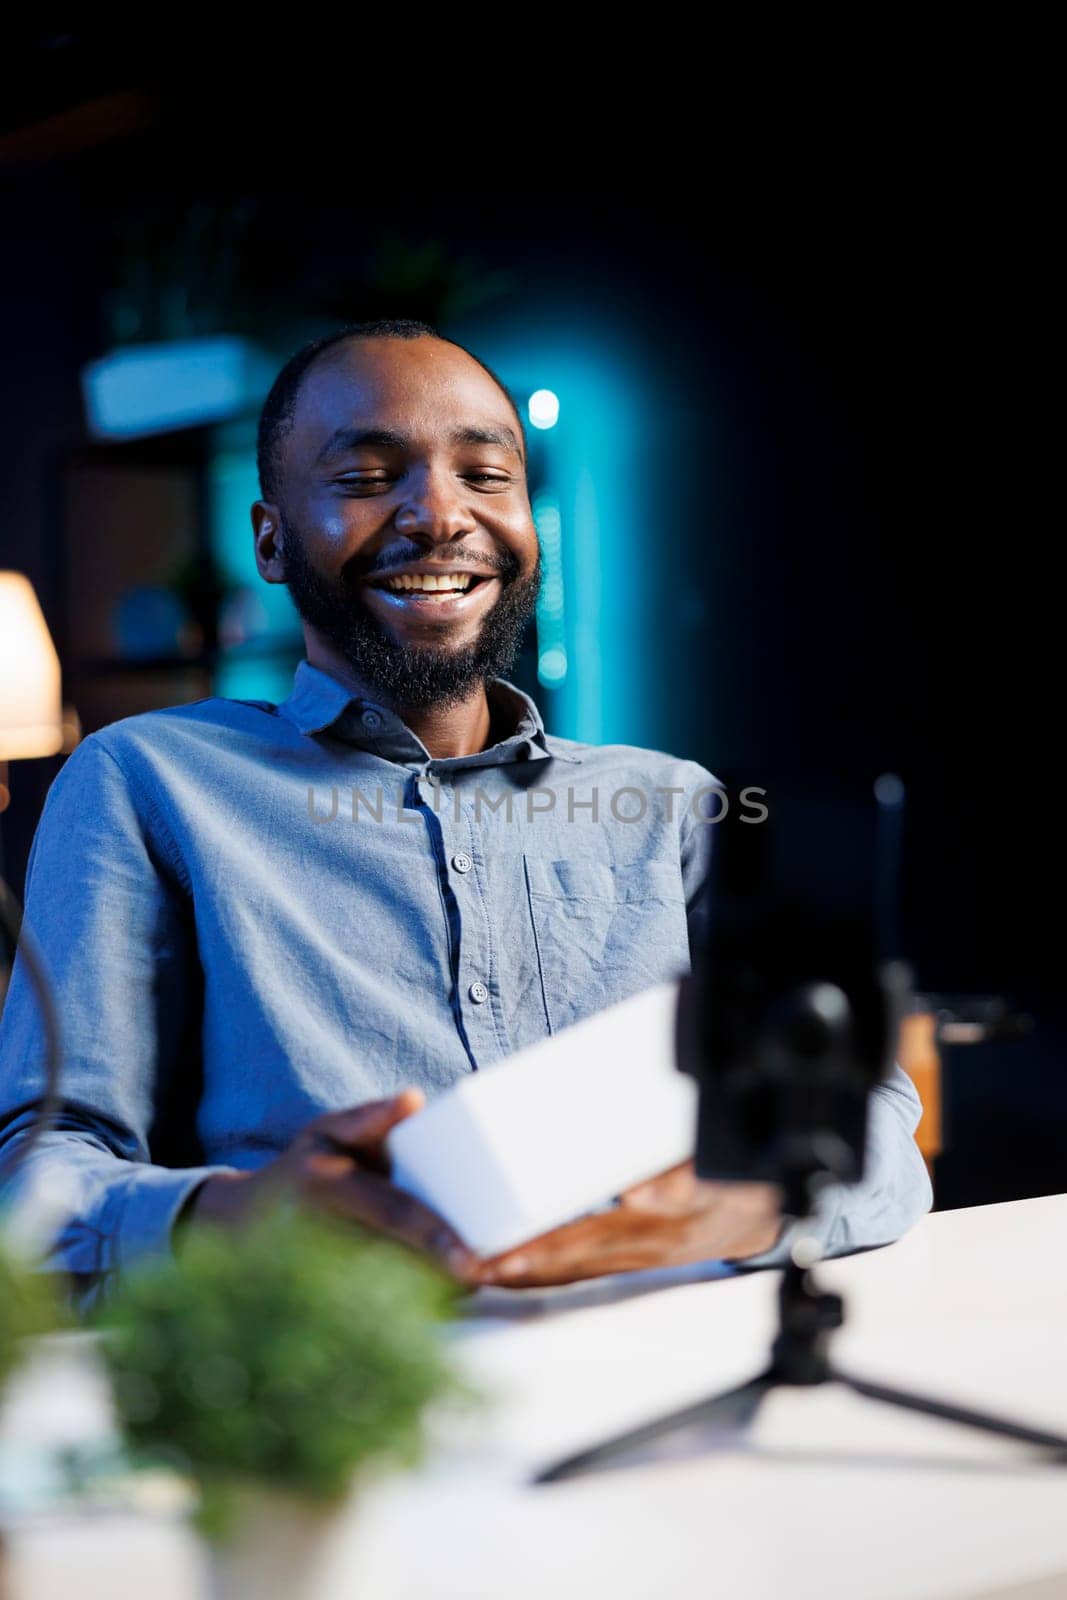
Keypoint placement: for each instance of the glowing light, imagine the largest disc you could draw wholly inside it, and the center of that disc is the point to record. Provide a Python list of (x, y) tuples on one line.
[(552, 667), (551, 630), (888, 790), (544, 408)]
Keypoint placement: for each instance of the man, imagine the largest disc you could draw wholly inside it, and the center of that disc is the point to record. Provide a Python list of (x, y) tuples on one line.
[(274, 930)]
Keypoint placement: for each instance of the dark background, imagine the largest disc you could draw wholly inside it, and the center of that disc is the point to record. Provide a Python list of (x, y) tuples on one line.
[(848, 502)]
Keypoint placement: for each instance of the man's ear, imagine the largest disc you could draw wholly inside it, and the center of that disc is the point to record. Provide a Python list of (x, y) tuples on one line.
[(266, 527)]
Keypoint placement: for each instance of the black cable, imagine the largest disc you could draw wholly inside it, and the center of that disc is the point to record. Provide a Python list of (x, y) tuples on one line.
[(23, 943)]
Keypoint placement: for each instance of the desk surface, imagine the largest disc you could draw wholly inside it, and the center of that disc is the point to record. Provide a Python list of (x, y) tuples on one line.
[(826, 1496)]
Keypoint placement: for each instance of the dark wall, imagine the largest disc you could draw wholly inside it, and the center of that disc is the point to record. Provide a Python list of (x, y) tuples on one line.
[(49, 309)]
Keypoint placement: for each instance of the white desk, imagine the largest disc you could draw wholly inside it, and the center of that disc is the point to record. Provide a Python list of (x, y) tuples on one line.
[(829, 1496)]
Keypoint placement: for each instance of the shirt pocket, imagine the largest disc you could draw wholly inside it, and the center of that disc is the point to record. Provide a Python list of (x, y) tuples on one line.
[(603, 932)]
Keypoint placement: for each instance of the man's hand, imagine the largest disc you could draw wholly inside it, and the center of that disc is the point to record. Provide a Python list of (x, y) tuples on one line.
[(670, 1220), (338, 1164)]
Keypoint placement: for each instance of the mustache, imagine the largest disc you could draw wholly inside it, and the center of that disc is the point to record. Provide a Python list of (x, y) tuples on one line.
[(505, 565)]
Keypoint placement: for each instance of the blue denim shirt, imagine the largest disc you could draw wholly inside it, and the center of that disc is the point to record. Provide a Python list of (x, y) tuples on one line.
[(255, 913)]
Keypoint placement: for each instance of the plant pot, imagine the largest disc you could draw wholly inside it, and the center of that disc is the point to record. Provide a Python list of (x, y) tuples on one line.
[(284, 1546)]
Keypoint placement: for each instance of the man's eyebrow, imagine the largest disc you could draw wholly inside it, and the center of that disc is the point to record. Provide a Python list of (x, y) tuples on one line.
[(343, 440), (501, 436)]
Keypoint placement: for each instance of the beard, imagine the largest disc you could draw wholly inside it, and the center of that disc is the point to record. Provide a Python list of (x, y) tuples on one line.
[(406, 675)]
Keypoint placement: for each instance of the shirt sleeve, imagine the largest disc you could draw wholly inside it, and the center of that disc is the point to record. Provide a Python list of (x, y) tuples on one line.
[(895, 1191), (700, 808), (114, 924)]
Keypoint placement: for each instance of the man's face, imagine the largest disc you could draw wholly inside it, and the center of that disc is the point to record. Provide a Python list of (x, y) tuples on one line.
[(404, 459)]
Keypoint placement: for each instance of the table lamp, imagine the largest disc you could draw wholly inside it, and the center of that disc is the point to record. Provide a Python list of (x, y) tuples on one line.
[(31, 709), (31, 724)]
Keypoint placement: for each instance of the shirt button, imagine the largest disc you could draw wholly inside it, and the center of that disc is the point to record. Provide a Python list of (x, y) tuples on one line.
[(462, 862), (371, 719), (478, 992)]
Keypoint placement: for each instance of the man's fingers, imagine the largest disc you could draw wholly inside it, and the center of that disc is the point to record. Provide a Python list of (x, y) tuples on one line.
[(370, 1199), (363, 1128), (672, 1190), (588, 1248), (653, 1229)]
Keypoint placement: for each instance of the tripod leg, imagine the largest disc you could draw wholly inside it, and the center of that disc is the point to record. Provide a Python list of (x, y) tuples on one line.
[(928, 1406), (731, 1409)]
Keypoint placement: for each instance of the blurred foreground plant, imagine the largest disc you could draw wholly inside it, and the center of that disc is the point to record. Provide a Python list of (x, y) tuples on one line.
[(29, 1306), (292, 1356)]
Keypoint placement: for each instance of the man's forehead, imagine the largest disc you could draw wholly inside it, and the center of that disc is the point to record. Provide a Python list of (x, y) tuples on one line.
[(370, 382)]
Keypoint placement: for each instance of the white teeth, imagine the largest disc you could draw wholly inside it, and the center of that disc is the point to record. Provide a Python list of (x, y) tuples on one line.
[(450, 581)]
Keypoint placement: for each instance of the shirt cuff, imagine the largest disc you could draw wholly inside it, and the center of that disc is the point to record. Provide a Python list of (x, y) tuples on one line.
[(152, 1200), (819, 1225)]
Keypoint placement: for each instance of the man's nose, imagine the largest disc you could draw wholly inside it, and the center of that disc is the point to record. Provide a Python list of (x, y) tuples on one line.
[(434, 508)]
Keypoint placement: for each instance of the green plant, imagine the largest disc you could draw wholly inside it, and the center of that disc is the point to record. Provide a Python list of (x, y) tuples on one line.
[(294, 1354), (28, 1306)]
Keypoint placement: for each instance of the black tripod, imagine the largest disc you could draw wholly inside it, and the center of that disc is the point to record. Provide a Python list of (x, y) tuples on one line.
[(788, 1022), (799, 1358)]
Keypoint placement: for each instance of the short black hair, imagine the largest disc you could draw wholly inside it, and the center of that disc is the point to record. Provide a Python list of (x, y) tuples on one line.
[(276, 417)]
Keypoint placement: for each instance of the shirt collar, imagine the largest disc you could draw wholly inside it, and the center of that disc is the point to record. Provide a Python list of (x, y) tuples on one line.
[(320, 702)]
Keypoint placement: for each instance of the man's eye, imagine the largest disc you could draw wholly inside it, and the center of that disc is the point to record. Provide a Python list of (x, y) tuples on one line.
[(361, 479)]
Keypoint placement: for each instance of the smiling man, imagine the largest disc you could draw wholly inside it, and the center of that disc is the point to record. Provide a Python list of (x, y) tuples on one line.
[(257, 983), (404, 532)]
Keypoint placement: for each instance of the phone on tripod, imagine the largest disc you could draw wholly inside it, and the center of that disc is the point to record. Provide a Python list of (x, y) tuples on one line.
[(792, 1010)]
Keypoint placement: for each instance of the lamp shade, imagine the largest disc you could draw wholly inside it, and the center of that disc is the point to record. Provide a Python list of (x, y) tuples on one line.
[(31, 708)]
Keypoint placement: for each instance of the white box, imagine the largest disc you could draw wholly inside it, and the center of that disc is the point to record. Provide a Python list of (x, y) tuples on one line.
[(555, 1130)]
